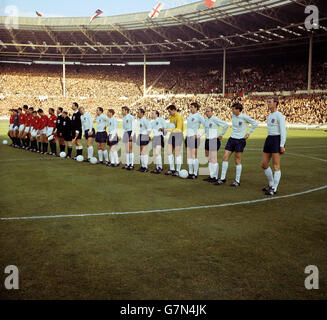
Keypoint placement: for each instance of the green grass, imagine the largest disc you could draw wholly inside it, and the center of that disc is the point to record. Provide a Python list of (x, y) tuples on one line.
[(252, 251)]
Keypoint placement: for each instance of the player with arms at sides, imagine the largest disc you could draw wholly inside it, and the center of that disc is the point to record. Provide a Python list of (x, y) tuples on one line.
[(52, 122), (127, 136), (11, 127), (27, 133), (34, 129), (144, 128), (67, 133), (274, 146), (158, 143), (77, 129), (21, 129), (175, 141), (59, 129), (43, 128), (213, 142), (192, 140), (113, 137), (102, 136), (236, 143), (89, 131)]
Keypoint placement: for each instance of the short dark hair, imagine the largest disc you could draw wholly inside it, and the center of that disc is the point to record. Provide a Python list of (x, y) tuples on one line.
[(40, 111), (196, 105), (34, 112), (141, 110), (157, 112), (171, 107), (65, 112), (31, 108), (60, 109), (126, 108), (19, 109), (111, 111), (75, 104), (25, 106), (238, 106), (274, 98), (51, 109), (100, 108)]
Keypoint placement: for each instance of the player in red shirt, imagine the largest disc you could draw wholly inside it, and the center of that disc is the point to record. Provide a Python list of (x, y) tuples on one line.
[(11, 130), (22, 119), (52, 123), (35, 121), (43, 128), (27, 131)]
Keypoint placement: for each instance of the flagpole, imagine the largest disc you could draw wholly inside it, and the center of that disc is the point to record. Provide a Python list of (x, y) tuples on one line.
[(224, 72), (64, 75), (144, 77)]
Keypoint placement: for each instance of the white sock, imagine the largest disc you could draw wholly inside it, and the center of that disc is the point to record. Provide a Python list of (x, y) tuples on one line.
[(277, 176), (269, 175), (131, 159), (159, 162), (89, 152), (171, 162), (196, 166), (190, 163), (100, 153), (210, 165), (224, 168), (215, 170), (142, 161), (238, 173), (105, 154), (116, 159), (111, 157), (145, 161), (127, 159), (178, 163)]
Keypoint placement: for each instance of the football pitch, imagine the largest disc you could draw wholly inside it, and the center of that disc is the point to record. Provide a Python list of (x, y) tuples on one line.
[(83, 231)]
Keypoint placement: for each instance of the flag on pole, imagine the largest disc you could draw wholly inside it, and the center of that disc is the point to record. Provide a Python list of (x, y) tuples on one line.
[(96, 14), (38, 14), (156, 10), (209, 3)]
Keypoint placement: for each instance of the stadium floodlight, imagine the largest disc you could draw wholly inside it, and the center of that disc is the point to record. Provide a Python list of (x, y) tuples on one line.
[(142, 44), (130, 45), (163, 46), (171, 43), (272, 33), (201, 42), (227, 40), (87, 44), (261, 36), (32, 45), (289, 31), (323, 27), (78, 47), (102, 46), (118, 46), (2, 44), (186, 43), (248, 38)]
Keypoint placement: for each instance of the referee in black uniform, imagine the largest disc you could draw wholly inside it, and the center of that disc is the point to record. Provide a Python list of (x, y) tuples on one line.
[(59, 129), (67, 133), (77, 129)]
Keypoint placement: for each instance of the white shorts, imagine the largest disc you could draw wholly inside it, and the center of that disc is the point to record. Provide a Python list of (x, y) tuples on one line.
[(49, 131), (27, 129), (21, 128), (44, 130), (11, 127), (15, 128), (33, 133)]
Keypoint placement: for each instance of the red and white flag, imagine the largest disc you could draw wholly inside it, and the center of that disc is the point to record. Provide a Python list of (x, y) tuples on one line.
[(209, 3), (96, 14), (156, 10), (38, 14)]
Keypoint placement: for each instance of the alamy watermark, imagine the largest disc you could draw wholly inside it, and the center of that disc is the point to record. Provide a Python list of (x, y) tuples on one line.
[(312, 20), (12, 280), (312, 280)]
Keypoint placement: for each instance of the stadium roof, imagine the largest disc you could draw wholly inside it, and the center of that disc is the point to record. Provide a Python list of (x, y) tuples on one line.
[(190, 30)]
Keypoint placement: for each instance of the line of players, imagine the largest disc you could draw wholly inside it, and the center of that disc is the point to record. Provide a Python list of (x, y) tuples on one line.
[(32, 132)]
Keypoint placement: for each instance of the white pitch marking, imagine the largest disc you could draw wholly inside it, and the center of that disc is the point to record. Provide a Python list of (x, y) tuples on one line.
[(36, 159), (168, 210)]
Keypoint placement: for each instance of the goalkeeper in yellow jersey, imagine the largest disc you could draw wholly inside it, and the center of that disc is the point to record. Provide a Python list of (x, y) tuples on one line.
[(175, 141)]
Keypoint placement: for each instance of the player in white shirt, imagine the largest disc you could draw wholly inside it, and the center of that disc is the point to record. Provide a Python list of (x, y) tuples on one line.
[(274, 146), (127, 137), (192, 140), (144, 130), (213, 141), (236, 143), (102, 136), (113, 137), (158, 126), (89, 131)]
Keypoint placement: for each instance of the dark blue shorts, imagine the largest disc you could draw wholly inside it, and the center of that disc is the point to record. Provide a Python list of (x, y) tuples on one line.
[(114, 140), (158, 141), (235, 145), (126, 136), (176, 139), (192, 143), (89, 134), (143, 140), (101, 137), (212, 144), (272, 144)]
